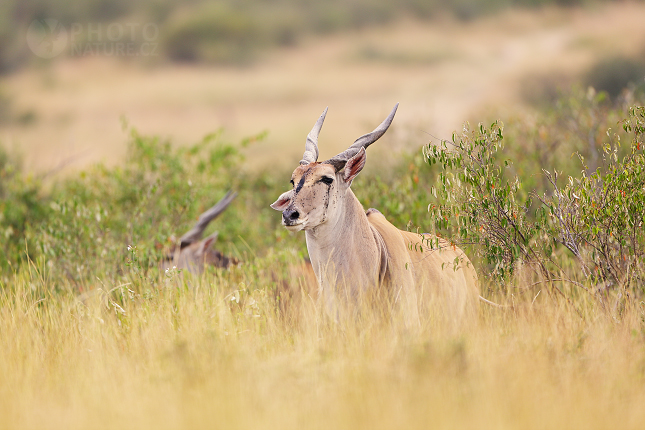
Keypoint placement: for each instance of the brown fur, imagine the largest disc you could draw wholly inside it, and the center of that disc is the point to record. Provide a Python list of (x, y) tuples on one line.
[(196, 256), (440, 271)]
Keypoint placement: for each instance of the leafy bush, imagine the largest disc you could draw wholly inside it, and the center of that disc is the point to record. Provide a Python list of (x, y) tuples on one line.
[(587, 233), (599, 217), (22, 208), (85, 224)]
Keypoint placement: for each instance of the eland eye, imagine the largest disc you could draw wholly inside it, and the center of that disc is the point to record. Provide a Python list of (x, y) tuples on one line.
[(327, 180)]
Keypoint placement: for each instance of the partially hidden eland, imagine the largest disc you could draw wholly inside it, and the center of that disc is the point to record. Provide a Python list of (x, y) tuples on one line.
[(192, 253), (354, 251)]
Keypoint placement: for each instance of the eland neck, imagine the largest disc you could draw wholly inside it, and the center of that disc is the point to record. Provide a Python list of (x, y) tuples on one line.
[(344, 249)]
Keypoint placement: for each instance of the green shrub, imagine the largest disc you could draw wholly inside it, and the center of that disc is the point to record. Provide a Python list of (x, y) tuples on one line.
[(157, 193), (587, 233), (83, 226), (22, 208), (599, 217)]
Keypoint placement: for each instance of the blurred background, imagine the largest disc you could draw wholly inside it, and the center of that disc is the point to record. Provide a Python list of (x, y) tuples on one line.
[(72, 72)]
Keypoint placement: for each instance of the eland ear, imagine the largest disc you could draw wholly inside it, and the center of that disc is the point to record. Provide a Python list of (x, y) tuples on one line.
[(209, 242), (354, 165), (283, 201)]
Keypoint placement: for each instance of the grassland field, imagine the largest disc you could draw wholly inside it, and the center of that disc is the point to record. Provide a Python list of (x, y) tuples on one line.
[(94, 335)]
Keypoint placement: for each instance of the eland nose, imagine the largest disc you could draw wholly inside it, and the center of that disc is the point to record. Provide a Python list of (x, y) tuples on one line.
[(290, 215)]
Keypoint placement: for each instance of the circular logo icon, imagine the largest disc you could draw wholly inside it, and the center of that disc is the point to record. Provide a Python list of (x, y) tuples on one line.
[(46, 38)]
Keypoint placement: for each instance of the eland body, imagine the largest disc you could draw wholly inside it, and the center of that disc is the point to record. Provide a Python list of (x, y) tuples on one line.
[(353, 251)]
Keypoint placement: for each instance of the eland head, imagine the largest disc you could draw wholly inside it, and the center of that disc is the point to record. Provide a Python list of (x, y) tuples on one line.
[(318, 188)]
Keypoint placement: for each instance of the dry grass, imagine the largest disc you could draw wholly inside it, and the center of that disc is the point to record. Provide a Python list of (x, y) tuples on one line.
[(442, 72), (216, 355)]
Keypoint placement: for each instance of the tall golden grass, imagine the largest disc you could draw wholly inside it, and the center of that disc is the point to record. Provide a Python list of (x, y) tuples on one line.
[(221, 352)]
